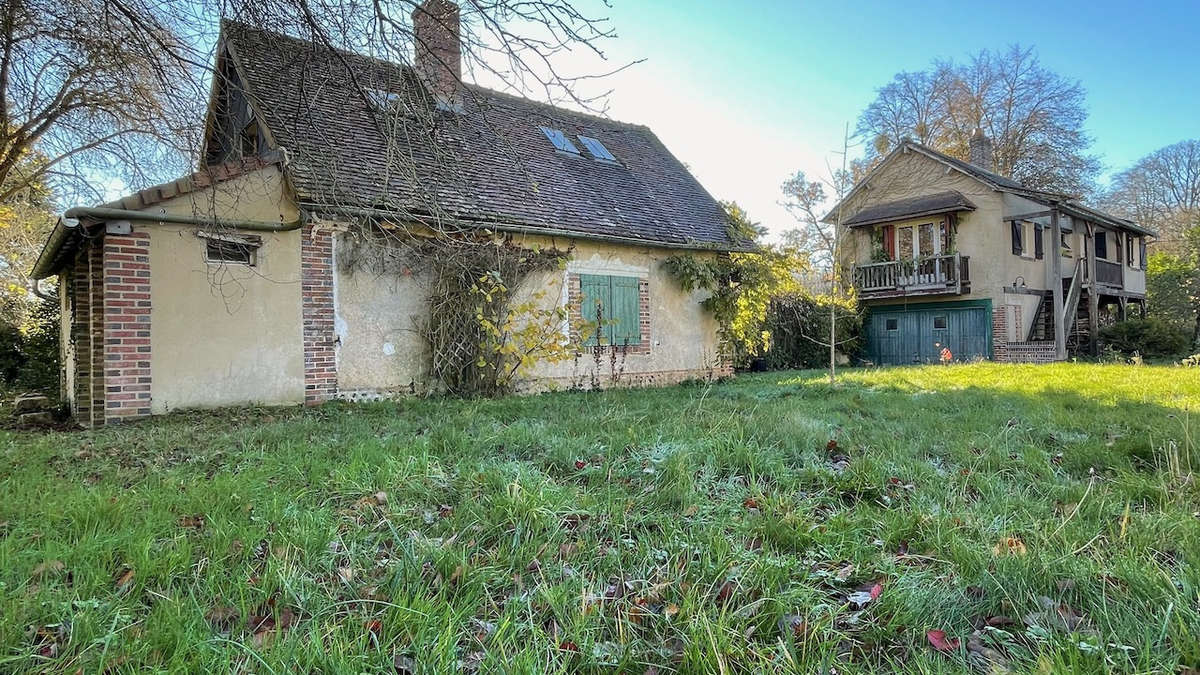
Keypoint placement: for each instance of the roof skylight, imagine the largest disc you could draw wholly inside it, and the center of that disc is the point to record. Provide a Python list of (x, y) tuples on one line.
[(597, 149), (560, 140), (381, 98)]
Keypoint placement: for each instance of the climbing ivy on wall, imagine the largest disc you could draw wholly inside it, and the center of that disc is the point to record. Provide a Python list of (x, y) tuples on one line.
[(740, 287), (484, 329)]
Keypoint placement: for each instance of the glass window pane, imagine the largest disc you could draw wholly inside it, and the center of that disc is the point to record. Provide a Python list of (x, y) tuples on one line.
[(560, 140), (926, 243), (597, 149), (906, 243)]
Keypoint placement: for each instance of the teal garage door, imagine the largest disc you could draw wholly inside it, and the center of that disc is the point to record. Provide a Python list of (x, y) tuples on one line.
[(913, 335)]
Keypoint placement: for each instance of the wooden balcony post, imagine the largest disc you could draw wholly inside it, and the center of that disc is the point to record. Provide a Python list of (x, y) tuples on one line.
[(1093, 306), (1055, 261)]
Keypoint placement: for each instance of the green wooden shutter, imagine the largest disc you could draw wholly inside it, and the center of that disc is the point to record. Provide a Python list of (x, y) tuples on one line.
[(626, 311), (596, 302)]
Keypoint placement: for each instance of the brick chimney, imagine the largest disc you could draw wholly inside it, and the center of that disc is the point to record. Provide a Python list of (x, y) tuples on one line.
[(981, 150), (439, 51)]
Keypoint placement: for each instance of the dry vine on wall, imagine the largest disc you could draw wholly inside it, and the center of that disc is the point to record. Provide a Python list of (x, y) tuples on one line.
[(484, 330)]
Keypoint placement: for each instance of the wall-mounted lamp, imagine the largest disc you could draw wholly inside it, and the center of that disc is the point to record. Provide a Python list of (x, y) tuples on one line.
[(1019, 281)]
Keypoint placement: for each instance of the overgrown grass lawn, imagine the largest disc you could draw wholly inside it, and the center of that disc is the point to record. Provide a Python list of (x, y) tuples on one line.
[(1045, 518)]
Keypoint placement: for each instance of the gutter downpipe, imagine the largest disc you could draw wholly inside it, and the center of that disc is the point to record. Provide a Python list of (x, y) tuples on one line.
[(36, 287)]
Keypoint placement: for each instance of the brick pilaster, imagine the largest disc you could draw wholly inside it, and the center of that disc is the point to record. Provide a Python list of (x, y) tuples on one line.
[(643, 316), (95, 263), (316, 291), (1000, 334), (81, 336), (126, 295)]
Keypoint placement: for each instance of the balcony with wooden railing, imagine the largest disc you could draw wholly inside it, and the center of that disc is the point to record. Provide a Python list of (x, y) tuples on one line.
[(935, 275), (1109, 274)]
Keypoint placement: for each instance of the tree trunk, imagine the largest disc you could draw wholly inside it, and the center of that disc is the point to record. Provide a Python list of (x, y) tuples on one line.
[(833, 329)]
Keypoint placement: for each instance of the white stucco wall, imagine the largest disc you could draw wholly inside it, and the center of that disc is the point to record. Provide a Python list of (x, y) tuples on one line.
[(379, 314), (226, 334)]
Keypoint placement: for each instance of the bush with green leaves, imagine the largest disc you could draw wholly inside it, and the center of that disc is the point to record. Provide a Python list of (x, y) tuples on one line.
[(798, 328), (1152, 337), (29, 352)]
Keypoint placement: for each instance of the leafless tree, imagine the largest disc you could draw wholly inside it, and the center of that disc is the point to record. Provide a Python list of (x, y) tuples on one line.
[(1162, 191), (1034, 117), (117, 88), (822, 238)]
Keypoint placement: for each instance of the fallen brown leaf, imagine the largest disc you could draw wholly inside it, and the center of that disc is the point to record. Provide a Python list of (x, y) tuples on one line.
[(222, 617), (124, 580), (939, 641), (1009, 546), (47, 568), (192, 522), (984, 658)]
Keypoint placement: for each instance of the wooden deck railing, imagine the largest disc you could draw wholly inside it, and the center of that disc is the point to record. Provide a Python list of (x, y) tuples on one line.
[(942, 273), (1109, 273)]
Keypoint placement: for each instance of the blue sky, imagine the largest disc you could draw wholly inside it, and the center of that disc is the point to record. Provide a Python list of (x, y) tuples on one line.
[(747, 96)]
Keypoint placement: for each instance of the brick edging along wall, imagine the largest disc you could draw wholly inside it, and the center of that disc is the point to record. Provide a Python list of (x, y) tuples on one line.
[(126, 381), (316, 291)]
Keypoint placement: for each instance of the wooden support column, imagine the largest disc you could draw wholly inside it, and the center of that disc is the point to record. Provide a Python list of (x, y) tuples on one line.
[(1093, 322), (1122, 312), (1054, 260), (1093, 297)]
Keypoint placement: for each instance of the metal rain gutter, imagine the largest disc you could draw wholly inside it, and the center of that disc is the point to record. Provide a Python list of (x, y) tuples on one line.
[(69, 222), (515, 228), (101, 213)]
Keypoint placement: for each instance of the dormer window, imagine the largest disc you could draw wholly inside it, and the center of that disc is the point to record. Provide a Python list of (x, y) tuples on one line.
[(560, 140), (597, 149)]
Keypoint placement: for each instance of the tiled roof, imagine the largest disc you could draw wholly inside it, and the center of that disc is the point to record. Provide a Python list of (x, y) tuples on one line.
[(1065, 203), (487, 162), (913, 207), (198, 180)]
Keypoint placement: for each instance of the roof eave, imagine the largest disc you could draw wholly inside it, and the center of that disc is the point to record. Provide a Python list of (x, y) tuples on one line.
[(910, 216), (516, 227)]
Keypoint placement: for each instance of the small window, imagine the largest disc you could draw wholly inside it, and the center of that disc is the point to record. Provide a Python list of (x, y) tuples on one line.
[(612, 307), (940, 322), (1101, 246), (597, 149), (891, 324), (560, 140), (229, 252)]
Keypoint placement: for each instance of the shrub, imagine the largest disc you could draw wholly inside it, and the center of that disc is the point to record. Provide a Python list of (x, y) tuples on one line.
[(798, 327), (29, 354), (1152, 337)]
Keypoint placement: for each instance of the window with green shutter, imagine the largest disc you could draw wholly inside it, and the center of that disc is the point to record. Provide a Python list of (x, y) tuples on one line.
[(612, 306)]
